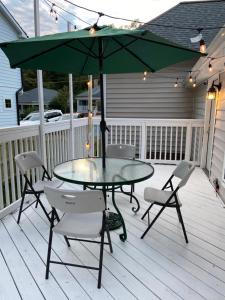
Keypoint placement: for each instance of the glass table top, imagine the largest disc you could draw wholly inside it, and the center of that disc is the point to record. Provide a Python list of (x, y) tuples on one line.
[(89, 171)]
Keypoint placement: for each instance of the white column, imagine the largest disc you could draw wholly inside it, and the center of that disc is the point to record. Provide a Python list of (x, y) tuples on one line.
[(40, 87), (69, 28), (90, 114)]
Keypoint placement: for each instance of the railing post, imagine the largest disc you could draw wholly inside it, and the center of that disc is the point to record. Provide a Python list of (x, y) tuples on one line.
[(143, 141), (188, 142)]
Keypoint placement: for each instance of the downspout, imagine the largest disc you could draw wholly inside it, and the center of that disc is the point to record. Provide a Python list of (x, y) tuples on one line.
[(17, 105), (17, 98)]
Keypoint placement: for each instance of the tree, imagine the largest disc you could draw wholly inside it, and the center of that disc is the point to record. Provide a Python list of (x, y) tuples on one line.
[(61, 101)]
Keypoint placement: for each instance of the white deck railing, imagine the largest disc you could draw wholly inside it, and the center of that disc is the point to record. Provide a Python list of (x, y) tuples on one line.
[(163, 140)]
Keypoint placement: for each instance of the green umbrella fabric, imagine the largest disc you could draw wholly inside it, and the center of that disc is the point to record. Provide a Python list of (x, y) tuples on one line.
[(78, 52)]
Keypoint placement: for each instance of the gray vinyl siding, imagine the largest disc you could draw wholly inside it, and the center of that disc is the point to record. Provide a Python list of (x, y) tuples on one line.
[(199, 102), (10, 79), (219, 141), (129, 96)]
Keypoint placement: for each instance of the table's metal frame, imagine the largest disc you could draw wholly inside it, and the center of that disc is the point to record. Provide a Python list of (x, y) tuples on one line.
[(110, 187)]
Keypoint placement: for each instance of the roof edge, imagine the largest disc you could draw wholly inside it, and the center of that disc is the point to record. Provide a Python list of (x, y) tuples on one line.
[(6, 13)]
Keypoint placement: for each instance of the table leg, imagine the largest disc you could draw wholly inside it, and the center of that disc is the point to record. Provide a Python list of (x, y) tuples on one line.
[(135, 210), (123, 236)]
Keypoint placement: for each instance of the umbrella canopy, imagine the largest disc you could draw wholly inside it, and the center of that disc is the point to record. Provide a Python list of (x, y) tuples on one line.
[(108, 50), (78, 52)]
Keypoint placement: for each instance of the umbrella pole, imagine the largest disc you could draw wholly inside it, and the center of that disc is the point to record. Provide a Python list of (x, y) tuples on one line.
[(102, 123)]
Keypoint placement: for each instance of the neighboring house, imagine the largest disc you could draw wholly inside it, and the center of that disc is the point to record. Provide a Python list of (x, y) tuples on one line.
[(10, 79), (30, 99), (128, 96), (82, 101)]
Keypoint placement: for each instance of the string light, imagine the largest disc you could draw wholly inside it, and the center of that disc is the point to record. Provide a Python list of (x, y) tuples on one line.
[(190, 78), (176, 83), (194, 83), (87, 146), (210, 66), (202, 46), (141, 22)]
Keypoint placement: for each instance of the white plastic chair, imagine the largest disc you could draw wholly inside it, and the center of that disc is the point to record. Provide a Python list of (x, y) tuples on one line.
[(84, 219), (169, 198), (25, 162), (122, 151)]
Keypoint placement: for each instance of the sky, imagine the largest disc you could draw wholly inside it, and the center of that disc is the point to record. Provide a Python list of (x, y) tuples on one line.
[(143, 10)]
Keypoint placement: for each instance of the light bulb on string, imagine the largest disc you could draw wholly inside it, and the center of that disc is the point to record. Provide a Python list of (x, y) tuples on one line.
[(194, 83), (210, 67), (202, 46), (190, 78), (176, 83), (95, 27), (56, 19), (52, 10), (145, 75), (87, 146)]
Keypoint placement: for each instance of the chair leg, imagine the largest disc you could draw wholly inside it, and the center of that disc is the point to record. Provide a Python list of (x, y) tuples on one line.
[(147, 211), (49, 250), (67, 240), (151, 224), (36, 205), (101, 260), (182, 223), (21, 206), (109, 239)]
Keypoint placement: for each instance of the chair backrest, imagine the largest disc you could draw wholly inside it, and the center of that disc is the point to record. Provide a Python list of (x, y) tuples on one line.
[(120, 151), (75, 202), (28, 160), (183, 171)]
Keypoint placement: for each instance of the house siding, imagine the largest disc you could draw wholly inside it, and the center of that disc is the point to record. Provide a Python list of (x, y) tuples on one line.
[(199, 102), (10, 79), (128, 96), (219, 141)]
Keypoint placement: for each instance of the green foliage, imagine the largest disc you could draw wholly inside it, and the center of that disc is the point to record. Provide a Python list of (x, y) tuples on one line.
[(58, 82), (61, 101)]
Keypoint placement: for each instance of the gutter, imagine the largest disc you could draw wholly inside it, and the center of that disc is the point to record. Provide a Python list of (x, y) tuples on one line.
[(17, 105)]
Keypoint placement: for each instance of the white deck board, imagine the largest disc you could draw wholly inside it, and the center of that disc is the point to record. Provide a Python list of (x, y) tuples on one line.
[(162, 266)]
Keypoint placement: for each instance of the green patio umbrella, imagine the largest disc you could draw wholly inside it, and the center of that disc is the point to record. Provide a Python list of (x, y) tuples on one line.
[(108, 50)]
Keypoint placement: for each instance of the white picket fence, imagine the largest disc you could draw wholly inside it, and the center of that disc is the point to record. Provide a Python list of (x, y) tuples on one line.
[(158, 141)]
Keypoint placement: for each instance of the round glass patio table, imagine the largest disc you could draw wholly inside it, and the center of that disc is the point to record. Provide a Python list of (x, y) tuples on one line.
[(118, 172)]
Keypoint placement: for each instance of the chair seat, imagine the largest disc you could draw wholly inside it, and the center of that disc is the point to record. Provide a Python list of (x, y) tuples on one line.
[(156, 196), (80, 225), (40, 184)]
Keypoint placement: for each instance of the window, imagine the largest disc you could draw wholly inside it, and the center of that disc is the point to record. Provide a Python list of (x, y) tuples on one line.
[(8, 103)]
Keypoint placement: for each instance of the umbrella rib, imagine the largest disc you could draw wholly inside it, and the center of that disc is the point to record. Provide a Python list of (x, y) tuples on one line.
[(87, 57), (89, 49), (136, 56), (78, 50), (164, 44), (121, 47), (39, 54)]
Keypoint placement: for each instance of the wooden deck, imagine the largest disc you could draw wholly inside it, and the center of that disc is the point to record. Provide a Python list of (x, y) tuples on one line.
[(161, 266)]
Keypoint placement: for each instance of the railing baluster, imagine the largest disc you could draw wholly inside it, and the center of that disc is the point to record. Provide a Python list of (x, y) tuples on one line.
[(12, 175), (18, 178), (150, 142), (175, 156), (165, 155), (181, 143), (160, 147), (5, 173), (171, 141), (1, 181)]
